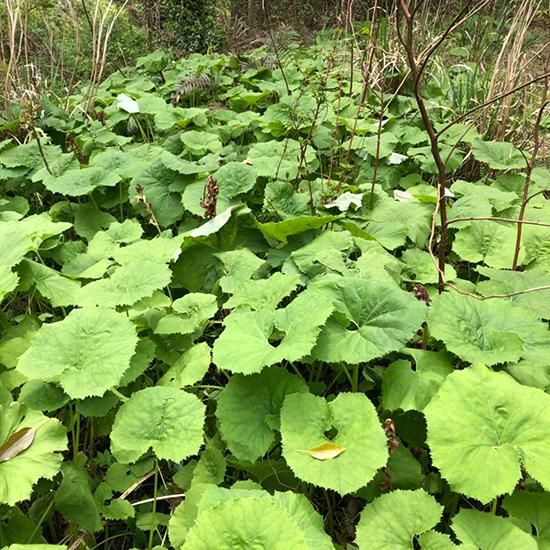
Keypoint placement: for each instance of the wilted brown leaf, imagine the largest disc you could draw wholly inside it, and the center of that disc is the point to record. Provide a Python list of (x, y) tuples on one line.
[(18, 442)]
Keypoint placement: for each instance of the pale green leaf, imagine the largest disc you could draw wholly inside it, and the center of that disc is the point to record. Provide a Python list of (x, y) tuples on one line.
[(488, 332), (486, 241), (394, 520), (59, 290), (376, 318), (305, 419), (8, 281), (39, 460), (78, 182), (249, 407), (189, 369), (498, 155), (245, 347), (126, 286), (86, 353), (534, 508), (234, 179), (126, 103), (22, 236), (260, 293), (510, 282), (490, 532), (168, 420), (191, 313), (412, 389), (483, 427)]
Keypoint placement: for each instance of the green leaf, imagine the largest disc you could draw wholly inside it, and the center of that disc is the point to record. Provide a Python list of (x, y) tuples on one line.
[(189, 369), (168, 420), (488, 332), (88, 220), (417, 511), (498, 155), (86, 353), (488, 532), (423, 269), (376, 318), (234, 179), (126, 103), (306, 418), (432, 540), (19, 473), (42, 396), (326, 253), (261, 293), (155, 180), (280, 231), (199, 143), (301, 527), (245, 347), (74, 499), (58, 289), (534, 508), (126, 286), (280, 160), (192, 312), (406, 389), (488, 242), (509, 282), (482, 427), (249, 407), (252, 522), (22, 236), (157, 250), (78, 182), (8, 281)]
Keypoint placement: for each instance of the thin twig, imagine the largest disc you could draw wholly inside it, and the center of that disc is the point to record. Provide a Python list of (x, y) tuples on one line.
[(497, 219), (528, 174), (165, 497)]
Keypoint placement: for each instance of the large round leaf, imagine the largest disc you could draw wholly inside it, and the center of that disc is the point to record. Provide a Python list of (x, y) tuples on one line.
[(127, 285), (235, 178), (488, 332), (86, 353), (168, 420), (29, 441), (375, 319), (305, 421), (202, 498), (249, 407), (409, 513), (82, 181), (245, 523), (483, 427), (247, 343), (490, 532)]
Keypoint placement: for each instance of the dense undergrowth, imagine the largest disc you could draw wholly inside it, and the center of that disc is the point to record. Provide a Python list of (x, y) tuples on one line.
[(221, 325)]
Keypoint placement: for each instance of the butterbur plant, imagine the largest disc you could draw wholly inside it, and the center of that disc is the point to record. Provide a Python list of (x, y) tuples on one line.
[(295, 319)]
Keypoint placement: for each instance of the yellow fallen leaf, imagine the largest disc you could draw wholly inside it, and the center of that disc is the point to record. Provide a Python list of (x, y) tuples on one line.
[(326, 451), (17, 443)]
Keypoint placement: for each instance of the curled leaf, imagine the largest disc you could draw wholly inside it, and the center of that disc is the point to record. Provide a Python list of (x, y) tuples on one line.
[(326, 451), (18, 442)]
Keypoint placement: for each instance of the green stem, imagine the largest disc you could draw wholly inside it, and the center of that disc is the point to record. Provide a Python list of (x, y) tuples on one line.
[(121, 396), (152, 528), (40, 521), (76, 440), (355, 380), (425, 336)]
